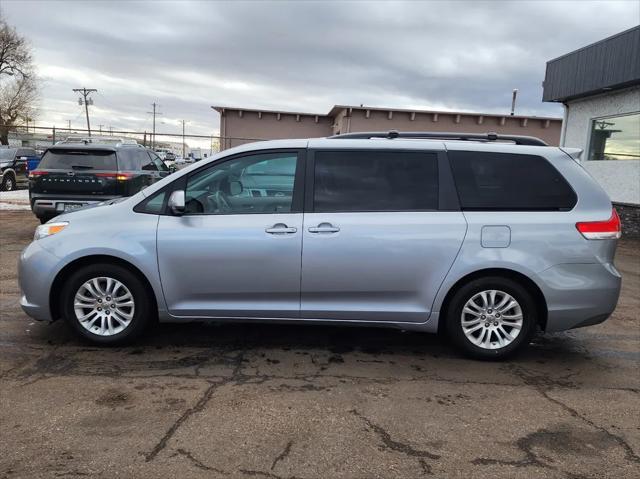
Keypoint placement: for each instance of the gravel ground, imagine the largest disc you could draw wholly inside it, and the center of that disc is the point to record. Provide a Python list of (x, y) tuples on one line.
[(258, 401)]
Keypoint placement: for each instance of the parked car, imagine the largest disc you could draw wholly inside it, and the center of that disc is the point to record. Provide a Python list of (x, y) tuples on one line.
[(13, 167), (485, 239), (72, 175)]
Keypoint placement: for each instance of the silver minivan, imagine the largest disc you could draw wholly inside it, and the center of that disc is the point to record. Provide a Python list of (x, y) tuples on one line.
[(485, 238)]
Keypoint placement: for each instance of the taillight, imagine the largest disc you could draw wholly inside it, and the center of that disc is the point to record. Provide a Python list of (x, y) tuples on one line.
[(116, 176), (34, 173), (599, 230)]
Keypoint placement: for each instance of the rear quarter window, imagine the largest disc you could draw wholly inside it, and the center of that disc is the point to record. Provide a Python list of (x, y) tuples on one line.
[(489, 181), (79, 159)]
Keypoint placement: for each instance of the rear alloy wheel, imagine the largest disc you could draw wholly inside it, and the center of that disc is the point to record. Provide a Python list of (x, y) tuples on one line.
[(106, 304), (8, 183), (491, 318)]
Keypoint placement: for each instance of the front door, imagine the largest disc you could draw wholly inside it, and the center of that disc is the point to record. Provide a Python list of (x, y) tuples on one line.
[(236, 250), (377, 244)]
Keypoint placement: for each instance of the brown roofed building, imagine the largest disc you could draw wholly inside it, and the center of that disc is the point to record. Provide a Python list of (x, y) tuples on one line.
[(243, 125)]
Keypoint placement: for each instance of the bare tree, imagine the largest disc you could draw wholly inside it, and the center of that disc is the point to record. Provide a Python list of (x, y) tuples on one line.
[(18, 81)]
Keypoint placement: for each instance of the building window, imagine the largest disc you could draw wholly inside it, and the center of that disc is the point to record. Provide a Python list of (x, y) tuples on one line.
[(615, 138)]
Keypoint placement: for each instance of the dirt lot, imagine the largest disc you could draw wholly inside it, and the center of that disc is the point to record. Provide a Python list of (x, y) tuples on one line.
[(255, 401)]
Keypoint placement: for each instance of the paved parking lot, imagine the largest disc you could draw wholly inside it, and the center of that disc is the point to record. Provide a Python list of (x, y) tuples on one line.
[(256, 401)]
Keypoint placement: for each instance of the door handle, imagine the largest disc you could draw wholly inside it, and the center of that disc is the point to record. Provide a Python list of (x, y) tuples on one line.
[(324, 228), (281, 229)]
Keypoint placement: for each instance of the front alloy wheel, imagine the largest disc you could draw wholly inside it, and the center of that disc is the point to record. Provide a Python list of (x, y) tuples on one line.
[(106, 303), (104, 306)]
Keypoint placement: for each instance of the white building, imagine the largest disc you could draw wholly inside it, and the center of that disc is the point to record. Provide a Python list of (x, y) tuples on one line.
[(599, 86)]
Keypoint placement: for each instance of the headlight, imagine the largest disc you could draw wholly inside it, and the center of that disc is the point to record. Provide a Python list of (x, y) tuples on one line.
[(49, 229)]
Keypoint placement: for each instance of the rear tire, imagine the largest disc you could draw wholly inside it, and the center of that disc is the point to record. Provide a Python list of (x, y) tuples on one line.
[(8, 183), (106, 304), (491, 318)]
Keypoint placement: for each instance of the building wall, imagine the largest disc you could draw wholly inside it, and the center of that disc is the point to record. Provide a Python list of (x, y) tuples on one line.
[(244, 126), (239, 126), (547, 130), (620, 178)]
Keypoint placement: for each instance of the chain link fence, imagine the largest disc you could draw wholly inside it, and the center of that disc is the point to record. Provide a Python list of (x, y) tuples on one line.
[(197, 146)]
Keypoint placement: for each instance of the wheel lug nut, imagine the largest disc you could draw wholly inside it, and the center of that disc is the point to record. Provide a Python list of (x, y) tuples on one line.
[(483, 317), (497, 315), (108, 298), (99, 308), (108, 311), (496, 323), (99, 301), (490, 311), (486, 325)]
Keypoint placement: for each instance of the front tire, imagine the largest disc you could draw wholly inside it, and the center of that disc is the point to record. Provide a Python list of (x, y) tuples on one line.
[(491, 318), (8, 183), (106, 304)]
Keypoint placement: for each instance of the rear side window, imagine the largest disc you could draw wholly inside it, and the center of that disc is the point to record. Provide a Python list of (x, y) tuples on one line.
[(509, 182), (79, 160), (134, 159), (375, 181)]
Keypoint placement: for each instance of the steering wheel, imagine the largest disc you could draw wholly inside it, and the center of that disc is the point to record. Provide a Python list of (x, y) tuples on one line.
[(221, 201)]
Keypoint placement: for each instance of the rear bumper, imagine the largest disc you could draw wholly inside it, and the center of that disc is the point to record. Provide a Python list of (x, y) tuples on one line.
[(579, 295), (51, 205)]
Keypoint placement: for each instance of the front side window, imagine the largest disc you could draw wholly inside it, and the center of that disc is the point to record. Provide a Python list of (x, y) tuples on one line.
[(260, 183), (615, 138), (375, 181), (488, 181)]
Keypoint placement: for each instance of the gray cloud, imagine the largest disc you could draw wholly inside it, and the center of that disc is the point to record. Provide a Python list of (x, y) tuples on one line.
[(305, 56)]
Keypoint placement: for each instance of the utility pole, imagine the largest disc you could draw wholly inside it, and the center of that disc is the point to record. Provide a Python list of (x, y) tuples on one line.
[(85, 92), (100, 126), (154, 113), (513, 101), (69, 123), (183, 145)]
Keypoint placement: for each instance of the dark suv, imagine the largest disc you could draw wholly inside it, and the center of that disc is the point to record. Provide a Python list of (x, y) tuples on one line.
[(13, 167), (71, 176)]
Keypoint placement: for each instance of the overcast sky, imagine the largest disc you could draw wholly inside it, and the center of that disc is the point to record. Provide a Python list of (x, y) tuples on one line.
[(301, 56)]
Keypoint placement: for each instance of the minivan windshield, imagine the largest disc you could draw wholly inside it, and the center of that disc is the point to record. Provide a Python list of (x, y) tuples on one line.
[(70, 159)]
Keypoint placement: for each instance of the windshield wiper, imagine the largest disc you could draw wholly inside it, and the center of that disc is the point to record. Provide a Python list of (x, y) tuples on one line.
[(81, 167)]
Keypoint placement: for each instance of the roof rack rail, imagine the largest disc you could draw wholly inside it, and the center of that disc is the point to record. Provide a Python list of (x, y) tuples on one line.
[(436, 135)]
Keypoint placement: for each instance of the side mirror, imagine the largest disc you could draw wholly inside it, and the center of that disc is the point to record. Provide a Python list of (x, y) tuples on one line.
[(23, 158), (176, 202), (235, 188)]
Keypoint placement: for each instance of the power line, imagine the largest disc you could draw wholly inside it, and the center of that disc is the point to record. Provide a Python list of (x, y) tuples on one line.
[(85, 92)]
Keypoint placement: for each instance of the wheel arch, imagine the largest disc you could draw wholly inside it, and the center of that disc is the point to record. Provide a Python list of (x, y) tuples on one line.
[(525, 281), (57, 285)]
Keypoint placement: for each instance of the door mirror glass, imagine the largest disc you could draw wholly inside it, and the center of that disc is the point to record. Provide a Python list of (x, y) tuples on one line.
[(176, 202), (235, 188)]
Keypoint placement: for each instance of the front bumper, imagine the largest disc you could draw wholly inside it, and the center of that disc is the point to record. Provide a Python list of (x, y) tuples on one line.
[(37, 268), (579, 295), (43, 206)]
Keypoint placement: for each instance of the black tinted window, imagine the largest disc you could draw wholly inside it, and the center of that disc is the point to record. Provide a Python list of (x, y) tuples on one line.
[(502, 181), (375, 181), (78, 159)]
